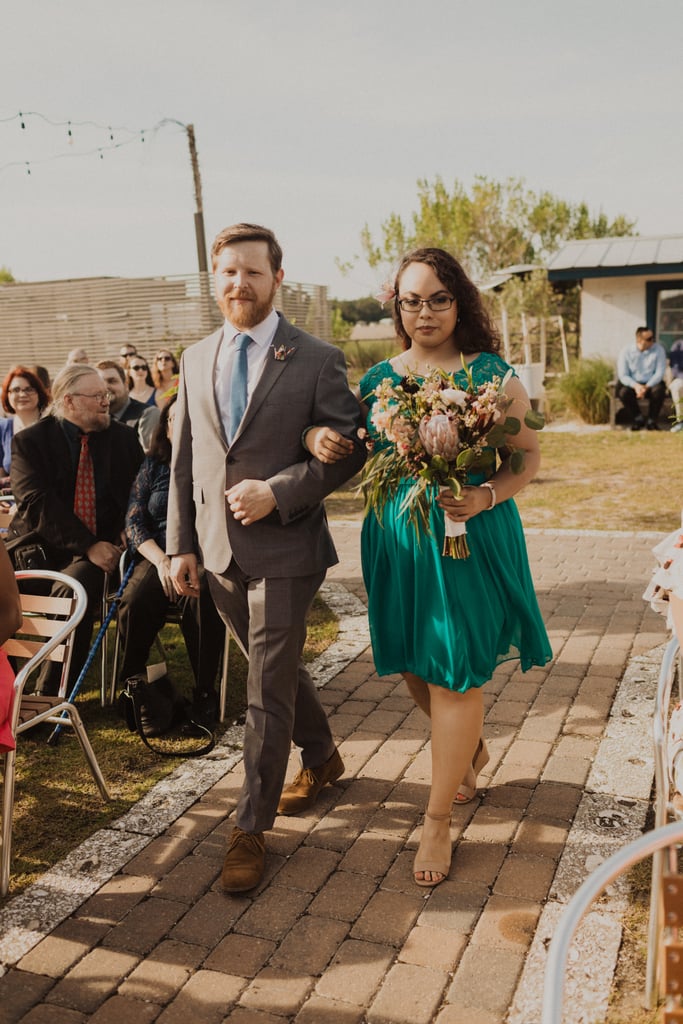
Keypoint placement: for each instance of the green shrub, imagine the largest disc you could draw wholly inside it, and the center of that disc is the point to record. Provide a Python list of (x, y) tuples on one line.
[(584, 389)]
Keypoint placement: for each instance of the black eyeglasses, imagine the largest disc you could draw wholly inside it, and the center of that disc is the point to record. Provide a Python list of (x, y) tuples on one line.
[(21, 391), (437, 304), (139, 366), (127, 354), (164, 359)]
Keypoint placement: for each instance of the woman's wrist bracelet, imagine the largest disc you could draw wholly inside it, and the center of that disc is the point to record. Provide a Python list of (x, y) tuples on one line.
[(489, 486)]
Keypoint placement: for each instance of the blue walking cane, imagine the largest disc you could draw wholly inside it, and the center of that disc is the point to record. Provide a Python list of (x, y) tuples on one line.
[(54, 735)]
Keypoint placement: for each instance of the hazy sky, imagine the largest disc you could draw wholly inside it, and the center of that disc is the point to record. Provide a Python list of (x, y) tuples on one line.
[(314, 118)]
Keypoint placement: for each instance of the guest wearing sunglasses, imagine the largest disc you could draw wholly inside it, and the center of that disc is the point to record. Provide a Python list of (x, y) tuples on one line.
[(24, 399), (140, 383), (165, 374)]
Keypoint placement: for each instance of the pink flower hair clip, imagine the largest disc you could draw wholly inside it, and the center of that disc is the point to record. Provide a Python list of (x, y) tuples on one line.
[(386, 293), (281, 353)]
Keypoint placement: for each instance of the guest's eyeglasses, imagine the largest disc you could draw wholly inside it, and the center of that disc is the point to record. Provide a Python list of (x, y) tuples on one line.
[(164, 359), (21, 391), (437, 304), (126, 354), (99, 396), (139, 366)]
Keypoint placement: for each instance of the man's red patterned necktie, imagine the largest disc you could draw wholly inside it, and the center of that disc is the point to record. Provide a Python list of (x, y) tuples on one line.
[(84, 495)]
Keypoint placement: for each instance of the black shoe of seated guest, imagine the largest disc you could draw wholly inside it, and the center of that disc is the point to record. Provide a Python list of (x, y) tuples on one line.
[(204, 709), (638, 423), (651, 425)]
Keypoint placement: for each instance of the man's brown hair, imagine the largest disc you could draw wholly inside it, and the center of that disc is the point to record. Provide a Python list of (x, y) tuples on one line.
[(248, 233)]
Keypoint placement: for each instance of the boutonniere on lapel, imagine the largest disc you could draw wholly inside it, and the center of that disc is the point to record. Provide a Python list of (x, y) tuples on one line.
[(282, 352)]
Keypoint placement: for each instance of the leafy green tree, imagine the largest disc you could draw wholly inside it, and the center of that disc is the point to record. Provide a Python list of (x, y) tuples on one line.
[(368, 310), (5, 275), (495, 225)]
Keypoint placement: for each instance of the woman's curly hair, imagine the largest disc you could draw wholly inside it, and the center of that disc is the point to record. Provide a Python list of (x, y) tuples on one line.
[(474, 329)]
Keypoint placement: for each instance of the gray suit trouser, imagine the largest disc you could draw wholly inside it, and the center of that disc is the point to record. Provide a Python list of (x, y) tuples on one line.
[(268, 619)]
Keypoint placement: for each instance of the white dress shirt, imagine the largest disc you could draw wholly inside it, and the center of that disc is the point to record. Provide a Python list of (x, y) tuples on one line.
[(262, 336)]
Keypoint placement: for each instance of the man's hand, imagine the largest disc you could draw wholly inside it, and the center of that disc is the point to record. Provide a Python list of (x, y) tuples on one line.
[(641, 390), (184, 575), (104, 555), (250, 500)]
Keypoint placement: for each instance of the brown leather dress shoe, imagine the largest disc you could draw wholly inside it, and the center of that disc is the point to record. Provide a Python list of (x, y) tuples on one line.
[(303, 790), (244, 862)]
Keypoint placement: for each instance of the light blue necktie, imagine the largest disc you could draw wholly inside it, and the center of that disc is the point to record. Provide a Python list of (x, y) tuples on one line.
[(238, 382)]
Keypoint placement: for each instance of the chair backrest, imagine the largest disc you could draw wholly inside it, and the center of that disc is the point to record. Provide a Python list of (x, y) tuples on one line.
[(47, 626), (658, 841)]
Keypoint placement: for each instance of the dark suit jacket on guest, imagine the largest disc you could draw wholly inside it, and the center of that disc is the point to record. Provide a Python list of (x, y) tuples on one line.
[(43, 477), (302, 383)]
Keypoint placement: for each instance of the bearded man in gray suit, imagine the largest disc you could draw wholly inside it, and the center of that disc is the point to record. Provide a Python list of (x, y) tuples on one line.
[(246, 497)]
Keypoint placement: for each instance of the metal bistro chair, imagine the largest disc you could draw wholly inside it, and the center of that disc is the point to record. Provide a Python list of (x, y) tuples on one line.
[(172, 615), (46, 632), (666, 808), (670, 892)]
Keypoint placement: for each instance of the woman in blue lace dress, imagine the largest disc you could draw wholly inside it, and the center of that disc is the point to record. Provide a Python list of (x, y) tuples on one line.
[(445, 623)]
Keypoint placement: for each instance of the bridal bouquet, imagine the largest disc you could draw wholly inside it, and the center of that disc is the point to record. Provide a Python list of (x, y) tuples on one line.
[(439, 434)]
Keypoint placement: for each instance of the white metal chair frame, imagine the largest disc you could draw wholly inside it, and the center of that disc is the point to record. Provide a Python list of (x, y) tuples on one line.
[(664, 806), (57, 710), (651, 844)]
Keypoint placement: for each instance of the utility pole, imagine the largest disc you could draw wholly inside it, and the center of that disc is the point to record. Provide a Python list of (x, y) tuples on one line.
[(199, 213)]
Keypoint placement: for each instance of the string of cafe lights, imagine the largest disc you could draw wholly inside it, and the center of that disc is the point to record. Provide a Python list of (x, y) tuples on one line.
[(135, 136)]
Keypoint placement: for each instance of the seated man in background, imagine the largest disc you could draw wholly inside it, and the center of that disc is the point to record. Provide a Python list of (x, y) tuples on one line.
[(640, 368), (121, 406), (676, 382), (71, 476), (142, 418)]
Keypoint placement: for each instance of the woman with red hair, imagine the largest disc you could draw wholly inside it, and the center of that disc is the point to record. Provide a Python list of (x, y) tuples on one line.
[(24, 399)]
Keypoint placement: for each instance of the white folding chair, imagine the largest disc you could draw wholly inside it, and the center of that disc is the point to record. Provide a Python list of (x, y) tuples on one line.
[(45, 633), (668, 888)]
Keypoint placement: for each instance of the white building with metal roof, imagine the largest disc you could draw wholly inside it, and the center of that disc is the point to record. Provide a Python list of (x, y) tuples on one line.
[(626, 283)]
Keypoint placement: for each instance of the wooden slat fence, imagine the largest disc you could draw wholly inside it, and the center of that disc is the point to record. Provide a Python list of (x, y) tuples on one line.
[(41, 322)]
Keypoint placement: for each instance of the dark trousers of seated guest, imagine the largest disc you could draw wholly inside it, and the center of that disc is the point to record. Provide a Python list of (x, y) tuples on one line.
[(142, 614), (92, 578), (655, 398)]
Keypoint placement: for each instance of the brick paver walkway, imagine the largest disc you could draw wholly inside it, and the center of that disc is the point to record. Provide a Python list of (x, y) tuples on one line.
[(338, 933)]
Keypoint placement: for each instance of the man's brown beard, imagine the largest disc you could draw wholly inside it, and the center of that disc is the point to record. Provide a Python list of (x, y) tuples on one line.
[(254, 313)]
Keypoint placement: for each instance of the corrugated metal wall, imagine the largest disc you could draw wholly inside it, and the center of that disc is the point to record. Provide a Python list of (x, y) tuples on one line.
[(42, 321)]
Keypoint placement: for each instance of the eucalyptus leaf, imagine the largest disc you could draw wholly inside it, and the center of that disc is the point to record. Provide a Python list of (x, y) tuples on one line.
[(516, 462), (534, 419), (512, 425), (496, 436)]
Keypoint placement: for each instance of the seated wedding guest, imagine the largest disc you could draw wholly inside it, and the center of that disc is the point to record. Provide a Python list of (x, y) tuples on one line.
[(77, 356), (125, 353), (140, 383), (145, 601), (640, 368), (676, 382), (24, 399), (121, 406), (71, 476), (165, 373)]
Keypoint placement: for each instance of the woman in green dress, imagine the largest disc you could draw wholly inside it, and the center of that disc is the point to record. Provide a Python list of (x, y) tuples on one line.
[(445, 623)]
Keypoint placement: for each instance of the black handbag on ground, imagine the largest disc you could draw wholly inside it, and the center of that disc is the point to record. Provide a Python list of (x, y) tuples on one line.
[(152, 709)]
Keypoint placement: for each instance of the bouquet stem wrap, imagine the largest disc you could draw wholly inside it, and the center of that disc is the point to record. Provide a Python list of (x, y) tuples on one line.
[(455, 540)]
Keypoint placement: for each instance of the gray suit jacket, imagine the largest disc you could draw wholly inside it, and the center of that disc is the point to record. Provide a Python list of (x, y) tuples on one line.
[(306, 387)]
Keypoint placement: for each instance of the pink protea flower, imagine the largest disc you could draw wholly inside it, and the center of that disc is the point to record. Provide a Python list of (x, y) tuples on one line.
[(439, 435)]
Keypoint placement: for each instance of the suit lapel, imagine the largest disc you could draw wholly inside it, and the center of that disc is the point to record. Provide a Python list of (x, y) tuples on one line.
[(207, 371), (286, 337)]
